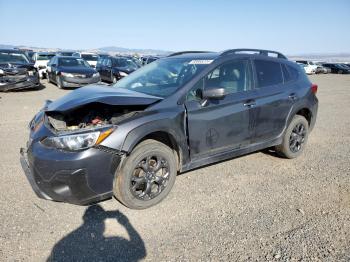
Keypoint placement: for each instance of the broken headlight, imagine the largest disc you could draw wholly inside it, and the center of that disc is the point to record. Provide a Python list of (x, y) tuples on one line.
[(72, 142), (76, 141)]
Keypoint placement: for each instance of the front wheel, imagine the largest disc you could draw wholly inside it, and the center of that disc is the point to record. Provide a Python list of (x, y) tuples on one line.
[(114, 79), (146, 176), (59, 82), (295, 138)]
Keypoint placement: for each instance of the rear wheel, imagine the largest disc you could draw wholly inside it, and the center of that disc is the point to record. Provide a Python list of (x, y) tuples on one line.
[(146, 176), (295, 138)]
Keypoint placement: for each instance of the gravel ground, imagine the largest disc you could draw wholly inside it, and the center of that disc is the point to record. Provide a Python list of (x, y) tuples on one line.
[(253, 208)]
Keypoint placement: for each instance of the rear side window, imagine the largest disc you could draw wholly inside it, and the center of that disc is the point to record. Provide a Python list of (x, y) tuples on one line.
[(286, 75), (268, 73), (294, 73)]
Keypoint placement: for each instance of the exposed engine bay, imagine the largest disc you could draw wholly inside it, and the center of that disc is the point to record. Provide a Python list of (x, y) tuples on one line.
[(91, 115)]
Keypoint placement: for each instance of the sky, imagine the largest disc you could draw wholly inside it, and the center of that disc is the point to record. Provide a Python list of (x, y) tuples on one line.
[(291, 27)]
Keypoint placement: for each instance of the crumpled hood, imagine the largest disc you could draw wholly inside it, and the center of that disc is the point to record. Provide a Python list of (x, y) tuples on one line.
[(13, 68), (100, 94)]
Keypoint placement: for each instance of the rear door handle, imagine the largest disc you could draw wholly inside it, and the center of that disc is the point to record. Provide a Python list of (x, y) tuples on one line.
[(293, 96), (249, 103)]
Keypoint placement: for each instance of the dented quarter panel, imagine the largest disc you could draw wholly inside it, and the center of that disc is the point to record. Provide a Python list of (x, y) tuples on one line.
[(169, 120)]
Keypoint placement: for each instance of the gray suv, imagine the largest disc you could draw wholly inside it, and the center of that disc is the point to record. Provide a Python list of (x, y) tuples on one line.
[(190, 109)]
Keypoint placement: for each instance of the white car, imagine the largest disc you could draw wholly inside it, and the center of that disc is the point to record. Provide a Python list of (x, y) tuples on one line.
[(40, 62), (309, 69), (91, 58), (311, 66)]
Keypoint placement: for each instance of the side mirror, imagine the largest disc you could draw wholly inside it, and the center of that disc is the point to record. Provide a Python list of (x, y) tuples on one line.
[(213, 93)]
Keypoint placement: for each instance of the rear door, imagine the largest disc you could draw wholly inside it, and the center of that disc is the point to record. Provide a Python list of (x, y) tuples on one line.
[(219, 125), (273, 101)]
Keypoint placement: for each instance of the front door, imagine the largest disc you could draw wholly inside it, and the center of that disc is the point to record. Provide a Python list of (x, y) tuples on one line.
[(219, 125)]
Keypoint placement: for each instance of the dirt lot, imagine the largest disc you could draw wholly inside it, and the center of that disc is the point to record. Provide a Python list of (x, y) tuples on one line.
[(256, 207)]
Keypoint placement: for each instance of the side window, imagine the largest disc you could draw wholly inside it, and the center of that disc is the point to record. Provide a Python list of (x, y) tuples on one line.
[(286, 75), (109, 62), (294, 73), (234, 76), (268, 73)]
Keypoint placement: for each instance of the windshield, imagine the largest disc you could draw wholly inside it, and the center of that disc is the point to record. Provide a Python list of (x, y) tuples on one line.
[(45, 57), (162, 77), (90, 57), (65, 53), (72, 62), (126, 62), (13, 58), (343, 66)]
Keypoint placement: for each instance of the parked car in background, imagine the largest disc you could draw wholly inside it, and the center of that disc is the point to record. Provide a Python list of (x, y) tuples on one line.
[(337, 68), (322, 69), (310, 70), (151, 59), (311, 65), (40, 62), (181, 112), (69, 71), (143, 59), (16, 71), (29, 53), (347, 66), (113, 68), (91, 58), (65, 53), (103, 55), (136, 60)]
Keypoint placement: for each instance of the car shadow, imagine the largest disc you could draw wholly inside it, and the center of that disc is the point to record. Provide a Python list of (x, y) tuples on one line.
[(87, 243)]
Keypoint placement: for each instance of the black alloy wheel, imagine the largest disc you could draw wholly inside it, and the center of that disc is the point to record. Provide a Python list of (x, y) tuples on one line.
[(297, 138), (150, 177), (147, 175)]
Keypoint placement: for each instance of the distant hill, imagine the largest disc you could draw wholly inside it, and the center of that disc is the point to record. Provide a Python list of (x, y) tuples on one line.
[(107, 49), (329, 57), (115, 49)]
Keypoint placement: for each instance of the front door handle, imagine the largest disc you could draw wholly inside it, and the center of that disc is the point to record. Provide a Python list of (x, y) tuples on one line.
[(249, 103), (293, 96)]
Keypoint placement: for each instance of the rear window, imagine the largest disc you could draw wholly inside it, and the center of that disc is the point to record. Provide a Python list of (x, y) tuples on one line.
[(89, 57), (268, 73)]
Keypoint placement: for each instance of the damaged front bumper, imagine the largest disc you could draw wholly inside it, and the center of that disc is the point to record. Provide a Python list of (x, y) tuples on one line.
[(13, 83), (81, 178)]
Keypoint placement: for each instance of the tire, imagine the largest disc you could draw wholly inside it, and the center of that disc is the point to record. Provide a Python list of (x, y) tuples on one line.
[(114, 79), (132, 182), (58, 82), (294, 139)]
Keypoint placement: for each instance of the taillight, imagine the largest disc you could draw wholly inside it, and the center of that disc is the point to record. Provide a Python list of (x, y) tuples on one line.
[(314, 88)]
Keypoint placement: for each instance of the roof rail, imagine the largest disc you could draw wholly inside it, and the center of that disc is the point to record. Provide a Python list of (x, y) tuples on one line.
[(259, 51), (188, 52)]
